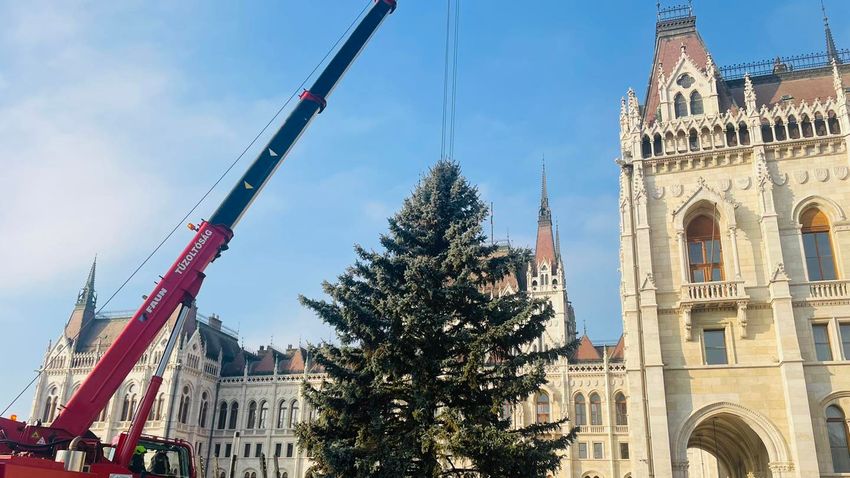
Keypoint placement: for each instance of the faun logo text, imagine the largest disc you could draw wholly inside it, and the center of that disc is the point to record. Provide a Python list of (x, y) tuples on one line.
[(155, 302), (196, 248)]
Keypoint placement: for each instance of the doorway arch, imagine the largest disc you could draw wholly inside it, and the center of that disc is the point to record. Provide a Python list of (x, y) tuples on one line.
[(741, 440)]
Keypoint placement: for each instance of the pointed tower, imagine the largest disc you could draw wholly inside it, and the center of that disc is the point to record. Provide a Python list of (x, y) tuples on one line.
[(85, 307), (546, 274), (831, 51)]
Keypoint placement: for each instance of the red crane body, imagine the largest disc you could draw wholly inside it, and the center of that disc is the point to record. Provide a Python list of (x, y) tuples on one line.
[(29, 451)]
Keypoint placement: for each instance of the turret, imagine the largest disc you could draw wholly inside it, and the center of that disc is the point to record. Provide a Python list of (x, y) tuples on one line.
[(84, 309)]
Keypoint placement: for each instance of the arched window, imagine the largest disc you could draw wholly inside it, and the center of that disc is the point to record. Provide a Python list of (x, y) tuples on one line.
[(128, 407), (838, 442), (680, 105), (793, 128), (621, 409), (234, 415), (693, 140), (657, 147), (645, 147), (252, 415), (506, 411), (704, 253), (293, 414), (820, 125), (202, 415), (595, 409), (806, 127), (743, 134), (264, 411), (696, 103), (102, 416), (50, 405), (281, 414), (766, 131), (542, 407), (222, 416), (183, 409), (779, 129), (731, 136), (817, 245), (581, 410), (832, 121)]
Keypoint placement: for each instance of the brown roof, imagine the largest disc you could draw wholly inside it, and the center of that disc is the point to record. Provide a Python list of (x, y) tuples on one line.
[(619, 350), (545, 248), (798, 86), (668, 50), (101, 331), (586, 351)]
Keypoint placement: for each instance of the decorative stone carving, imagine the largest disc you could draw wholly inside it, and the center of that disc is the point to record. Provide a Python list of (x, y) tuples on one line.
[(840, 172), (779, 273), (648, 282), (822, 174), (801, 176), (658, 193), (724, 185), (686, 320), (749, 94), (780, 180), (742, 317), (676, 190), (744, 183)]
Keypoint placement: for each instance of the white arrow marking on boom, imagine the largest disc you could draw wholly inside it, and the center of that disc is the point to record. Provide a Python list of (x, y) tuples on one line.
[(272, 153)]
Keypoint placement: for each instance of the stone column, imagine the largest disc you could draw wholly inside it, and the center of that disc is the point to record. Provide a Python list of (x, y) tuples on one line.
[(733, 239), (683, 256)]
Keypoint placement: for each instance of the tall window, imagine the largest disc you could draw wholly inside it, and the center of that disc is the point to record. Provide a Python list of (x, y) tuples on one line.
[(817, 245), (680, 105), (542, 407), (581, 410), (222, 416), (50, 406), (252, 415), (128, 407), (202, 414), (704, 252), (621, 408), (845, 339), (696, 103), (281, 414), (838, 443), (234, 415), (823, 351), (183, 409), (293, 414), (264, 411), (595, 409), (715, 347)]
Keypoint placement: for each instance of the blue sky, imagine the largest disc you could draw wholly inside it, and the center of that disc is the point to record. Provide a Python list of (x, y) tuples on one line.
[(115, 117)]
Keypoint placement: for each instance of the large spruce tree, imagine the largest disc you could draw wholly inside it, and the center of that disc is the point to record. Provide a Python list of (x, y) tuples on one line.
[(428, 359)]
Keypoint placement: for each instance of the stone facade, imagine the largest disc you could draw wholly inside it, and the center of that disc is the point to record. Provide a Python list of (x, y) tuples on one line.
[(720, 308)]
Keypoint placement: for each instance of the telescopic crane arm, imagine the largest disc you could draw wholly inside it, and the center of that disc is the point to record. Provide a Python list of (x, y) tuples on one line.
[(180, 285)]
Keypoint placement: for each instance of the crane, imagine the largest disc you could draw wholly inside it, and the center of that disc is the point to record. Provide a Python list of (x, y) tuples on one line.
[(66, 448)]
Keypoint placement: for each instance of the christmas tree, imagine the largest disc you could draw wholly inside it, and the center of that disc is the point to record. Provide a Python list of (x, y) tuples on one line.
[(430, 361)]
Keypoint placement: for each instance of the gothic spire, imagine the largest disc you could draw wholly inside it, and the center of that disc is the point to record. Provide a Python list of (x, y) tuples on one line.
[(831, 51), (87, 296), (557, 240), (545, 214)]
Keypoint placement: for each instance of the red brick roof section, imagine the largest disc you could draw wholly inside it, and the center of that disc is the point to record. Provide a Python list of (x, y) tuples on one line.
[(619, 350), (770, 89), (586, 352), (668, 49), (545, 248)]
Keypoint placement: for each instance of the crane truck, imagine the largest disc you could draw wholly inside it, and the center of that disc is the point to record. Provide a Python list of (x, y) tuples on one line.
[(67, 448)]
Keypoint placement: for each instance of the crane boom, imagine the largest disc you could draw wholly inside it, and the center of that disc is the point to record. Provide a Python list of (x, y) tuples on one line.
[(182, 281)]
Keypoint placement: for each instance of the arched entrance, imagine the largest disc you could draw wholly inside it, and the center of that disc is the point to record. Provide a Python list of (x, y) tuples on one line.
[(725, 446), (726, 440)]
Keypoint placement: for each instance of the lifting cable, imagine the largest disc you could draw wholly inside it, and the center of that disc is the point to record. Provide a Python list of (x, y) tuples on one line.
[(203, 197), (447, 143)]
